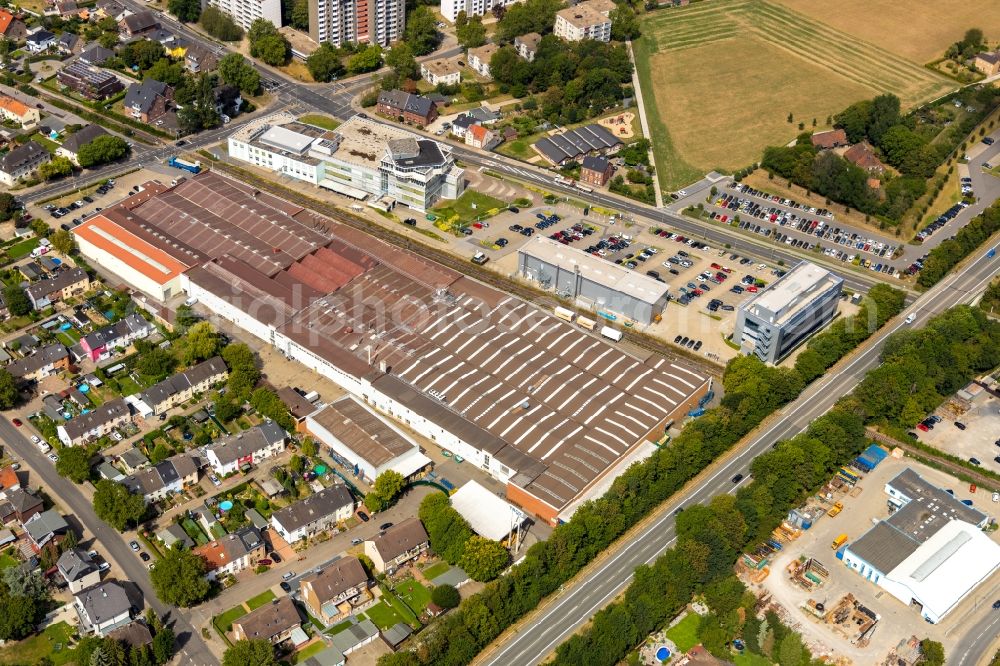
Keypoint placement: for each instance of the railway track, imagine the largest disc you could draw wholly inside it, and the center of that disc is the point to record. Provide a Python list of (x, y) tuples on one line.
[(537, 297)]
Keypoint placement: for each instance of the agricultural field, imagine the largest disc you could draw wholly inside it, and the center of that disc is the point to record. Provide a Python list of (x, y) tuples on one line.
[(720, 79)]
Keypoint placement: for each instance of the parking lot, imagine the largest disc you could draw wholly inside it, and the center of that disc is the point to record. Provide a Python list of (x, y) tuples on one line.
[(969, 429), (865, 504)]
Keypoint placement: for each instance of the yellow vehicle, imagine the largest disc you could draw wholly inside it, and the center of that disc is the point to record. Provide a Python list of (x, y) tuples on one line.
[(839, 541), (835, 509)]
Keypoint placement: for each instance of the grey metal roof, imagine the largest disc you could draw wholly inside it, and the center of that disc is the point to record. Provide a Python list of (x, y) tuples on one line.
[(928, 508), (354, 635), (397, 633), (328, 657), (884, 547), (315, 507)]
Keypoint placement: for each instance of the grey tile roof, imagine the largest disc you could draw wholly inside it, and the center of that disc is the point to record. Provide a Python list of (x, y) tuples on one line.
[(74, 141), (114, 332), (577, 142), (400, 538), (271, 620), (61, 280), (134, 458), (41, 358), (104, 601), (143, 95), (240, 445), (19, 157), (162, 391), (336, 578), (595, 163), (406, 102), (106, 413), (96, 55), (75, 564), (315, 507), (45, 523)]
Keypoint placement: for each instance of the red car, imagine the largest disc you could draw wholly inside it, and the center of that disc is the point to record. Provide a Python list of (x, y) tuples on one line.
[(477, 225), (17, 422), (922, 427), (752, 289)]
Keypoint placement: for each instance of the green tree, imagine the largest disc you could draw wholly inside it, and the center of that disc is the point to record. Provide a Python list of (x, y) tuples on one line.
[(9, 394), (421, 31), (155, 362), (17, 301), (8, 205), (258, 652), (243, 371), (117, 506), (226, 410), (40, 228), (297, 464), (74, 463), (529, 16), (159, 453), (400, 58), (484, 559), (268, 44), (188, 11), (624, 23), (324, 64), (309, 448), (201, 342), (931, 653), (163, 645), (141, 54), (179, 577), (446, 596), (102, 150), (219, 25), (62, 241), (268, 404), (57, 167), (235, 70), (185, 317), (366, 60), (300, 15), (470, 31)]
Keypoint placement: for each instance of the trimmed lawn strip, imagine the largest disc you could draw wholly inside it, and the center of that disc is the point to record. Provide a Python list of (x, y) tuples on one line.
[(414, 594), (383, 615), (320, 120), (32, 649), (315, 648), (265, 597), (435, 570), (684, 634), (337, 628), (225, 621), (22, 249)]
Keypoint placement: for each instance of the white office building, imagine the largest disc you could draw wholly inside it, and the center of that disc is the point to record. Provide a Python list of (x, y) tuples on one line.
[(245, 12), (772, 323), (362, 159), (357, 21)]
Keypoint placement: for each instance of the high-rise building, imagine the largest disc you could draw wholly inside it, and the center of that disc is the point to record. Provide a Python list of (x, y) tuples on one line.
[(357, 21), (245, 12), (450, 9)]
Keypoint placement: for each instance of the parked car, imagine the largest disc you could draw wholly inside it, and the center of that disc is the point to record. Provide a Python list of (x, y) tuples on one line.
[(134, 545), (17, 422), (384, 526), (960, 425), (288, 576), (144, 556), (215, 480)]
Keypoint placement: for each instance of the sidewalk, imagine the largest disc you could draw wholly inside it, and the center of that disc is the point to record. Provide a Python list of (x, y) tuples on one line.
[(644, 123)]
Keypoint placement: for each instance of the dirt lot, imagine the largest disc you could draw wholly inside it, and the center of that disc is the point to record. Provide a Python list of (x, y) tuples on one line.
[(920, 35), (897, 621), (978, 440)]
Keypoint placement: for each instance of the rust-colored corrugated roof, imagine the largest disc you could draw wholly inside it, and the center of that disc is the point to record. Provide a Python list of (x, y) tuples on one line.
[(128, 248)]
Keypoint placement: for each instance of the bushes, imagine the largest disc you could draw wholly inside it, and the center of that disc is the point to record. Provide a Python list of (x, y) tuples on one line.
[(949, 253)]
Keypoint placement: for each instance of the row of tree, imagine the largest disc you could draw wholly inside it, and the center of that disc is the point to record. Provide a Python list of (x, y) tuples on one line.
[(752, 392), (969, 238), (453, 539)]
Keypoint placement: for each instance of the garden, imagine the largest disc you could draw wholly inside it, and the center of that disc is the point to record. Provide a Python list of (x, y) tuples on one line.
[(53, 643), (471, 207)]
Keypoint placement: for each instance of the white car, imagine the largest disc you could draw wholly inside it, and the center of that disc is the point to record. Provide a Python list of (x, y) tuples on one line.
[(53, 457), (104, 566), (215, 480), (911, 317), (35, 439)]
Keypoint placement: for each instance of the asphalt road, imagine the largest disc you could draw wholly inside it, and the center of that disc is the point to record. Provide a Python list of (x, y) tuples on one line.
[(592, 591), (974, 646), (192, 648)]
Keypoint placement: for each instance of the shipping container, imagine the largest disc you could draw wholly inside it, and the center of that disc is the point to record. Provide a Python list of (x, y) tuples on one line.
[(564, 314), (588, 324), (611, 333)]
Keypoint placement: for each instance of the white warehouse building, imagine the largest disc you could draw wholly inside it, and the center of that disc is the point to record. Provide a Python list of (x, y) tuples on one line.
[(361, 159), (930, 553)]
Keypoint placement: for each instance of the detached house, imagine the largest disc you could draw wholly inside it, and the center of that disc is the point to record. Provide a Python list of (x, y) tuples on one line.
[(102, 343), (18, 112), (317, 513), (246, 448), (22, 162), (232, 553), (103, 608), (95, 424), (78, 569), (482, 137), (829, 139), (40, 40), (596, 170), (62, 285), (138, 24), (863, 155), (338, 583), (180, 388), (274, 622), (148, 100), (70, 148), (47, 527), (44, 362), (398, 545), (12, 27)]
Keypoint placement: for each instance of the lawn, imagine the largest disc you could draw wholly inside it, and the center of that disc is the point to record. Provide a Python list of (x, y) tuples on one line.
[(32, 650), (319, 120), (383, 615), (414, 594), (470, 206), (313, 649), (719, 80), (194, 530), (22, 249), (265, 597), (435, 570), (67, 338), (45, 142), (519, 148), (225, 621), (337, 628), (684, 634), (7, 561), (750, 659)]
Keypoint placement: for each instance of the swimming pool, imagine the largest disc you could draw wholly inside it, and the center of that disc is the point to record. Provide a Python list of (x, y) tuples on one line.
[(662, 653)]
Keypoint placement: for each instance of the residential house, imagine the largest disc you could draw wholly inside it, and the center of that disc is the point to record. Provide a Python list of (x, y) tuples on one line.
[(96, 55), (70, 148), (9, 480), (863, 155), (988, 63), (30, 270), (246, 448), (68, 9), (228, 101), (18, 112), (180, 388), (273, 622), (164, 478), (78, 569), (48, 360), (441, 71), (527, 45), (102, 343), (19, 504), (95, 424), (206, 518), (586, 20), (88, 80), (103, 608), (197, 59), (479, 59), (64, 284), (68, 43), (461, 124), (479, 136), (148, 100), (108, 9), (136, 634), (397, 545), (829, 139), (337, 583), (45, 528), (317, 513), (40, 40), (11, 27), (232, 553), (176, 534), (596, 170), (133, 460), (22, 162), (414, 109), (483, 115), (138, 24)]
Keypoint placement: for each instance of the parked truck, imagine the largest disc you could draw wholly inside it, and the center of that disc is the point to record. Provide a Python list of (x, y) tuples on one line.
[(835, 509), (838, 542), (178, 163)]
